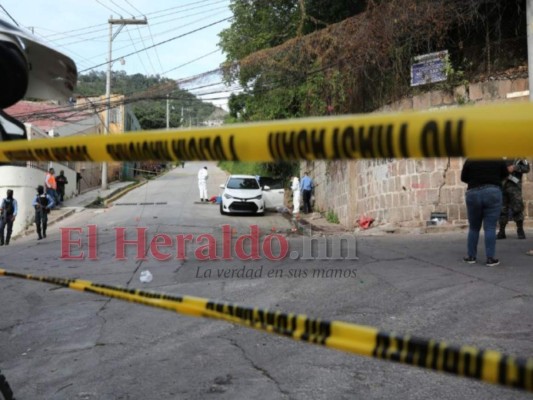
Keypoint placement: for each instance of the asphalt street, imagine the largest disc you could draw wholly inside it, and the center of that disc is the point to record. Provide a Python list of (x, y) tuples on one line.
[(56, 343)]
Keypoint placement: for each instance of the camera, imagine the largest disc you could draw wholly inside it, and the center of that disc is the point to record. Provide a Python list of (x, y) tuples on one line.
[(30, 68)]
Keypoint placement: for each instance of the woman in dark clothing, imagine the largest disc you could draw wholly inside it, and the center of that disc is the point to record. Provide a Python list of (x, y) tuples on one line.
[(483, 204)]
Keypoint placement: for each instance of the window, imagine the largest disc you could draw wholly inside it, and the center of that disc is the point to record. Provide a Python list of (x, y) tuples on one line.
[(242, 183)]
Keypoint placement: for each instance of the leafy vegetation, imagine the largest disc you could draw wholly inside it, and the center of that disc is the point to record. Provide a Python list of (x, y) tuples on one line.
[(276, 170), (297, 58), (320, 57), (244, 168), (148, 95), (332, 217)]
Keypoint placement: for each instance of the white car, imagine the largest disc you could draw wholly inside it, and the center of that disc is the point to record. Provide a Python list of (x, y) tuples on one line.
[(242, 194), (273, 192)]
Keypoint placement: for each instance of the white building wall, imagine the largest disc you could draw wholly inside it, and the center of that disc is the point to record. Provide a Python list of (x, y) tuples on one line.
[(24, 181)]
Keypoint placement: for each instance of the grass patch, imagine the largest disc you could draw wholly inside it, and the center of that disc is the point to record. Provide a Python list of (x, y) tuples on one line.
[(332, 217), (242, 168), (98, 203)]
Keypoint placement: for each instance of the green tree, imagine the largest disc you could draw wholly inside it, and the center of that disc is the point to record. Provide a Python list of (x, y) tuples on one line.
[(148, 96), (277, 84), (257, 25)]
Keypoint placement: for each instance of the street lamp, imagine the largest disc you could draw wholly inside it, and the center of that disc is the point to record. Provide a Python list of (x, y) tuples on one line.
[(121, 22)]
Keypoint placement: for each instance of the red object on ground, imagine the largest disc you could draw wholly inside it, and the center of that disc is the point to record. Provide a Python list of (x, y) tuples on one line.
[(365, 222)]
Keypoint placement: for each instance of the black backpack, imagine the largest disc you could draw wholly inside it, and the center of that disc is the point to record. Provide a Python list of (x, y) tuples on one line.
[(43, 201)]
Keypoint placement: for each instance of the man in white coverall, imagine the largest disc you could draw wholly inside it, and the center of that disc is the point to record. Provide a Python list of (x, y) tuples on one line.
[(295, 187), (202, 183)]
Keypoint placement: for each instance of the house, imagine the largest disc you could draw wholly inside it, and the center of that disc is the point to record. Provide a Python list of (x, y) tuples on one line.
[(44, 120)]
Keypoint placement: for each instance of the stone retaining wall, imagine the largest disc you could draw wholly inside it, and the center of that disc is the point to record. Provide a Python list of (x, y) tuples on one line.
[(406, 192)]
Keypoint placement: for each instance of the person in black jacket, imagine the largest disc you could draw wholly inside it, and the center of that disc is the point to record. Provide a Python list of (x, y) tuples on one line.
[(8, 213), (512, 198), (42, 203), (483, 203), (61, 181)]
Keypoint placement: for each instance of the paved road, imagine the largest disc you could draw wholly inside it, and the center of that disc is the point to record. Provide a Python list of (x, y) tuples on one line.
[(60, 344)]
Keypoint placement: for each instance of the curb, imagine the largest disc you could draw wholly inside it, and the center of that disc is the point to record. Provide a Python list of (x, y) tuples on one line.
[(31, 230), (68, 212), (117, 194)]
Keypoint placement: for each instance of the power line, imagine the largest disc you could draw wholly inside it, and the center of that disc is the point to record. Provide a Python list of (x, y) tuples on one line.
[(136, 51), (103, 36), (190, 62), (132, 6), (166, 12), (103, 27), (188, 9), (140, 59), (153, 36), (9, 15), (160, 43), (155, 48), (109, 8), (123, 9)]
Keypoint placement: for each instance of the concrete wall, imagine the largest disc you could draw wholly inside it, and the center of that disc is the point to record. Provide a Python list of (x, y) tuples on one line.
[(406, 192), (24, 182)]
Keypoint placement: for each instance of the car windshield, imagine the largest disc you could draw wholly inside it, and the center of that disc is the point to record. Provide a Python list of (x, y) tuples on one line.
[(242, 183)]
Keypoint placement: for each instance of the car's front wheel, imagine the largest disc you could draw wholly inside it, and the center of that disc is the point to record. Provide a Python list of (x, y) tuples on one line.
[(222, 209)]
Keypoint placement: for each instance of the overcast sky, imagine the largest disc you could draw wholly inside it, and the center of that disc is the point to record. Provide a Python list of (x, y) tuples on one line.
[(181, 43)]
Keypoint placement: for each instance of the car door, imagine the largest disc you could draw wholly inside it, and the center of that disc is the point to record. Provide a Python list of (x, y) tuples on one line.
[(275, 196)]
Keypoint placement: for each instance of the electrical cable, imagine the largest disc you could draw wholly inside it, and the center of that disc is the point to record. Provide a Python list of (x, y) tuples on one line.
[(160, 43)]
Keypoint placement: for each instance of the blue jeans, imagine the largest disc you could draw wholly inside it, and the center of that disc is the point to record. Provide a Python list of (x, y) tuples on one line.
[(483, 205), (53, 194)]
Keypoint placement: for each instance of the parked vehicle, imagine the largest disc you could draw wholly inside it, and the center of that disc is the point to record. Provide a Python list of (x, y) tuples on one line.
[(242, 194), (274, 196)]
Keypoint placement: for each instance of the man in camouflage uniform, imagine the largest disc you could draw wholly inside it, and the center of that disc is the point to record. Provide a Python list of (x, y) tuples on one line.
[(512, 197)]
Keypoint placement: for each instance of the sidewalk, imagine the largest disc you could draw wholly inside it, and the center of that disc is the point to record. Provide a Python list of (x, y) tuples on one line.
[(77, 203), (317, 224)]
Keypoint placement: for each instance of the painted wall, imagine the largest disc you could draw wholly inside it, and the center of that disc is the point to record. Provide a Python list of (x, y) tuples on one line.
[(24, 181)]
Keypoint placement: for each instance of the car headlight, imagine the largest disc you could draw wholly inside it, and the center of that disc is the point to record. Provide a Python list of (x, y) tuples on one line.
[(257, 197), (228, 196)]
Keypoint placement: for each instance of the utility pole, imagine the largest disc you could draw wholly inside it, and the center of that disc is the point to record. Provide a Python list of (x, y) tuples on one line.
[(168, 112), (529, 22), (121, 22)]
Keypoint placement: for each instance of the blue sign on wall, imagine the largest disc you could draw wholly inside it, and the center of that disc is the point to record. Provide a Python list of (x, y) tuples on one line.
[(429, 68)]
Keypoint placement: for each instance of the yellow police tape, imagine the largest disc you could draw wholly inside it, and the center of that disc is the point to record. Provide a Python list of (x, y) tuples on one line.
[(472, 131), (485, 365)]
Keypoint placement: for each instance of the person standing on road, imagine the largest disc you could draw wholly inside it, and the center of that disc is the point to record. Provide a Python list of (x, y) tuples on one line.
[(8, 213), (202, 183), (43, 203), (483, 204), (61, 181), (51, 184), (295, 187), (512, 198), (306, 185), (78, 182)]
